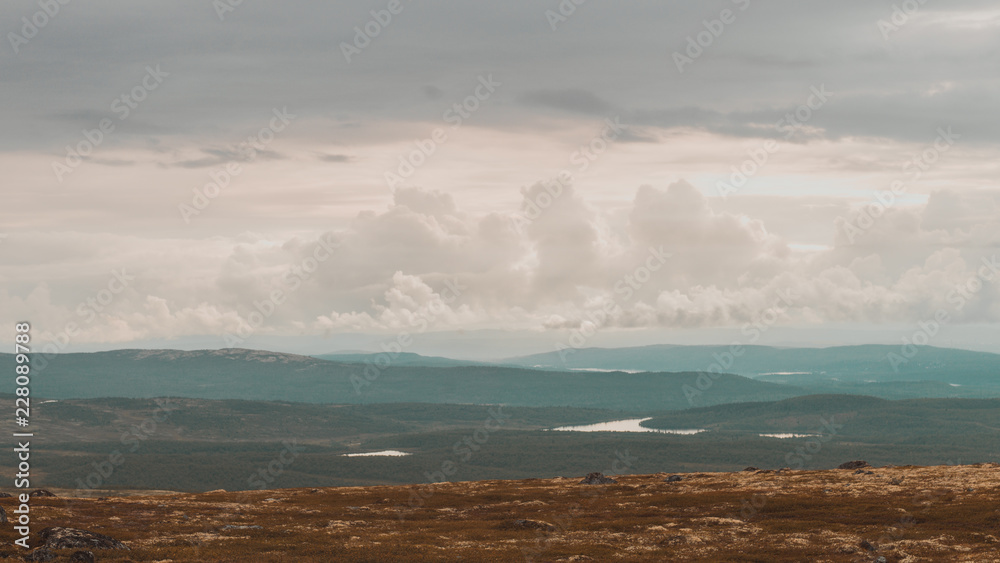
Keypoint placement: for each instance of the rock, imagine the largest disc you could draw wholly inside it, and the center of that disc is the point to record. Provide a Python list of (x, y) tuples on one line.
[(525, 524), (597, 479), (751, 468), (40, 554), (865, 544), (41, 493), (5, 495), (215, 491), (83, 557), (242, 527), (881, 559), (853, 465), (673, 479), (3, 515), (896, 481), (64, 538)]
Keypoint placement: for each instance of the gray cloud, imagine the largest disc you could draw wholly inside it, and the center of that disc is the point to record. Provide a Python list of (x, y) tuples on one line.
[(653, 186), (578, 101)]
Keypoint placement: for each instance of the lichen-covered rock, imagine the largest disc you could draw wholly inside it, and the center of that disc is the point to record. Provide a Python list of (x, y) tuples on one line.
[(858, 464), (40, 554), (64, 538), (83, 557), (597, 478), (525, 524)]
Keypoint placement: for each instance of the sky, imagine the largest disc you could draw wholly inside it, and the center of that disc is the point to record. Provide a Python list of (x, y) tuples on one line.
[(488, 179)]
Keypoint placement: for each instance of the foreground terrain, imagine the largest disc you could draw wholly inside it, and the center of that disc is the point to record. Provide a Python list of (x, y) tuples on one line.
[(945, 513)]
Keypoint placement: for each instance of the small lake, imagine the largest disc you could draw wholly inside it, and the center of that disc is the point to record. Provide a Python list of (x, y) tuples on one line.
[(383, 453), (785, 435), (630, 425)]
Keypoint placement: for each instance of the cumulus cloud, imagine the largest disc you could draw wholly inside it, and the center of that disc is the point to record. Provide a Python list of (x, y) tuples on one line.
[(425, 264), (392, 259)]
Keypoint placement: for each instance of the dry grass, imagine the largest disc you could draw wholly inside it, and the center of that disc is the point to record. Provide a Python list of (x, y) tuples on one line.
[(797, 516)]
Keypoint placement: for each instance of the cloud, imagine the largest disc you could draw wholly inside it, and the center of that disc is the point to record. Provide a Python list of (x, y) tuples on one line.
[(424, 261), (578, 101), (338, 158)]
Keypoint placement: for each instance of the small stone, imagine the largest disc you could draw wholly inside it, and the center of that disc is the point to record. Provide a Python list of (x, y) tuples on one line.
[(525, 524), (63, 538), (597, 478), (673, 479), (242, 527), (83, 557), (40, 554), (853, 465)]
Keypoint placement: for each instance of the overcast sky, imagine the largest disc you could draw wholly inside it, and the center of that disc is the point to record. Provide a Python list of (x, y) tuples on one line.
[(455, 167)]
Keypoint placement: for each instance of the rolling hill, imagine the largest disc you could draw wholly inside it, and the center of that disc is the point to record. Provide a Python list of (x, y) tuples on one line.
[(840, 365), (260, 375)]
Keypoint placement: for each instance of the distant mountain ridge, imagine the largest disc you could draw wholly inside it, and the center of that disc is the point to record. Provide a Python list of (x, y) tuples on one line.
[(871, 363), (398, 359), (668, 378), (258, 375)]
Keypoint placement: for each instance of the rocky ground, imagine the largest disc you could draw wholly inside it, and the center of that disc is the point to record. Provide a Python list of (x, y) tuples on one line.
[(892, 514)]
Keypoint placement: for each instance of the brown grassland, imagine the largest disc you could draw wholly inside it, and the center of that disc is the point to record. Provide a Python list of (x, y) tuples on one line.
[(906, 514)]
